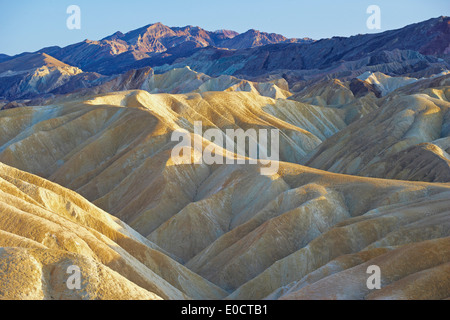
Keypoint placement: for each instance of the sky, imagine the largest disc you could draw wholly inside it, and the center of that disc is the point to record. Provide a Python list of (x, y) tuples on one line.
[(29, 25)]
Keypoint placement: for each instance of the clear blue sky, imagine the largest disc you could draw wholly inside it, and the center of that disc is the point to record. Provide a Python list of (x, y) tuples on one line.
[(28, 25)]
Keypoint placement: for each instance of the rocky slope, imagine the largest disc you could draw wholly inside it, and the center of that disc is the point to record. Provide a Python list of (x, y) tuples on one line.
[(353, 100), (178, 81), (37, 85), (33, 74), (103, 56), (154, 117), (88, 176), (230, 231), (416, 50), (45, 228), (386, 84)]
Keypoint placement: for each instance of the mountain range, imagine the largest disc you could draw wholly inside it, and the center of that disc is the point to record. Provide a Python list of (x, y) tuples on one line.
[(417, 50)]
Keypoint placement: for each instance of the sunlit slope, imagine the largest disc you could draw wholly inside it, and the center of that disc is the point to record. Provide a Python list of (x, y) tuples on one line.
[(304, 225), (407, 138), (45, 228), (175, 81), (116, 156), (185, 80), (252, 236)]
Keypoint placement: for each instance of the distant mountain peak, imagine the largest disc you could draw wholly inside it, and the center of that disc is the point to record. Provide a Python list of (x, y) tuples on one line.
[(31, 61)]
